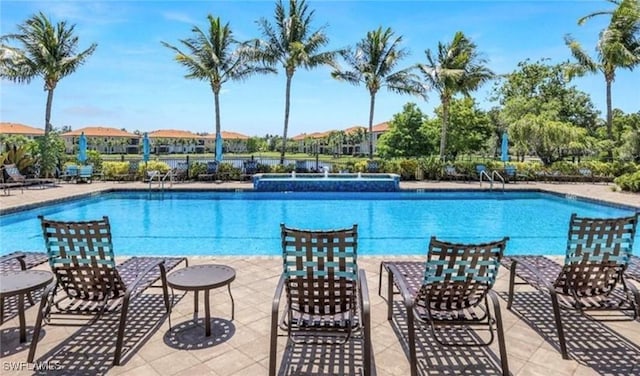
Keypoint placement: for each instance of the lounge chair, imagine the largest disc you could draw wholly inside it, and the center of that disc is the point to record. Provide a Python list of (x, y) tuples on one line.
[(211, 173), (13, 175), (88, 282), (8, 185), (452, 289), (326, 294), (70, 173), (480, 168), (593, 275), (450, 173), (85, 174)]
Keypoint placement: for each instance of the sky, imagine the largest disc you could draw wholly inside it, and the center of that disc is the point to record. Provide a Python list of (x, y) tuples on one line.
[(133, 82)]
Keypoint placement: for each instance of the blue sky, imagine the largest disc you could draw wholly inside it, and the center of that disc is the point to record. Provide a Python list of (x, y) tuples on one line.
[(132, 81)]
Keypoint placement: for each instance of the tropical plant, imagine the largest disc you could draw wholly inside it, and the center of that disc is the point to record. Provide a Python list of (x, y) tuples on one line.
[(618, 46), (373, 63), (405, 137), (46, 51), (18, 155), (216, 57), (456, 67), (291, 42)]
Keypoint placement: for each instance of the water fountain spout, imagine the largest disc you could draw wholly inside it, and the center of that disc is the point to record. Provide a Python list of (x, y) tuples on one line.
[(326, 174), (293, 174), (359, 175)]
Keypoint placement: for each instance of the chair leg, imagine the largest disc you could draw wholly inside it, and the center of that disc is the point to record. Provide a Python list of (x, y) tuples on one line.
[(558, 319), (380, 281), (512, 282), (413, 359), (500, 329), (38, 325), (273, 347), (389, 295), (121, 328)]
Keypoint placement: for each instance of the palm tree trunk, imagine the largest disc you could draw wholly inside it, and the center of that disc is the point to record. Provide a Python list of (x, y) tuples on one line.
[(445, 122), (372, 106), (609, 118), (216, 103), (287, 103), (47, 117)]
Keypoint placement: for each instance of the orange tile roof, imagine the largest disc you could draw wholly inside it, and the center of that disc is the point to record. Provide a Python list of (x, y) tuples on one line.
[(172, 133), (97, 131), (227, 135), (16, 128), (382, 127)]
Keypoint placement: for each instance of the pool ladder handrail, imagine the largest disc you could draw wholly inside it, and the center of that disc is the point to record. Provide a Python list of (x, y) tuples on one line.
[(491, 178), (161, 178)]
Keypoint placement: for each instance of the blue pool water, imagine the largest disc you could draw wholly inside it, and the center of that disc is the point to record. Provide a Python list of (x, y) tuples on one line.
[(247, 223)]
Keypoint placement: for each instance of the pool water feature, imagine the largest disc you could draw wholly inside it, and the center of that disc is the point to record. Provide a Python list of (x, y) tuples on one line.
[(247, 223), (326, 182)]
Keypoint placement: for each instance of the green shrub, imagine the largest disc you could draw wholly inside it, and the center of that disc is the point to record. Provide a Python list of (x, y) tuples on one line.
[(360, 166), (94, 158), (111, 169), (431, 167), (629, 182), (197, 168), (227, 169), (152, 166)]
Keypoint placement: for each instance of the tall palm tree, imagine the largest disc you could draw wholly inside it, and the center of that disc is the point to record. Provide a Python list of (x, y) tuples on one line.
[(372, 63), (456, 68), (291, 42), (217, 57), (47, 51), (618, 46)]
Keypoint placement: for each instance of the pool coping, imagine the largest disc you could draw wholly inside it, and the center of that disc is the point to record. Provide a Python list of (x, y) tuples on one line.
[(82, 195)]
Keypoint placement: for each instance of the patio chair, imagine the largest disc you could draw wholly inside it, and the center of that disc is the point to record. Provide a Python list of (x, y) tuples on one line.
[(593, 275), (85, 174), (633, 269), (372, 166), (88, 282), (450, 173), (326, 294), (180, 172), (250, 168), (13, 175), (452, 289), (301, 167), (211, 173), (70, 173)]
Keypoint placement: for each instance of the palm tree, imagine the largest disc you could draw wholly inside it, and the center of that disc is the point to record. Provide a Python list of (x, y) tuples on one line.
[(618, 47), (290, 42), (48, 51), (372, 63), (457, 68), (216, 57)]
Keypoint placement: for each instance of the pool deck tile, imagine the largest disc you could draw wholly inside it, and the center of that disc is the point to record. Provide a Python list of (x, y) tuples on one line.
[(245, 352)]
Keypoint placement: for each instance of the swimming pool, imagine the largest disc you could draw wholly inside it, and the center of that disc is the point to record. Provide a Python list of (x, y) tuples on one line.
[(247, 223)]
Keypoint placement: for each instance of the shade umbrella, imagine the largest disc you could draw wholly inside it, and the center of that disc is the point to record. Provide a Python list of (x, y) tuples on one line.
[(218, 147), (82, 148), (504, 156), (146, 147)]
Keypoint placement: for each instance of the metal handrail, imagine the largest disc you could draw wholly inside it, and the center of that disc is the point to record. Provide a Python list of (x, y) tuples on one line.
[(489, 179), (494, 174)]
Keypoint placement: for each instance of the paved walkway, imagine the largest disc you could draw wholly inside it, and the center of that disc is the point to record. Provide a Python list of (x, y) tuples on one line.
[(240, 347)]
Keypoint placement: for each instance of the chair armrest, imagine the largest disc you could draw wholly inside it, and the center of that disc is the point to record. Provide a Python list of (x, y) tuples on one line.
[(275, 304), (533, 270), (364, 294), (132, 287), (19, 256), (402, 286)]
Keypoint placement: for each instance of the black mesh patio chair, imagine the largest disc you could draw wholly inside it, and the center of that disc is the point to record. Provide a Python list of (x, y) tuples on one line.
[(327, 298), (88, 281), (633, 269), (452, 289), (211, 173), (593, 275)]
